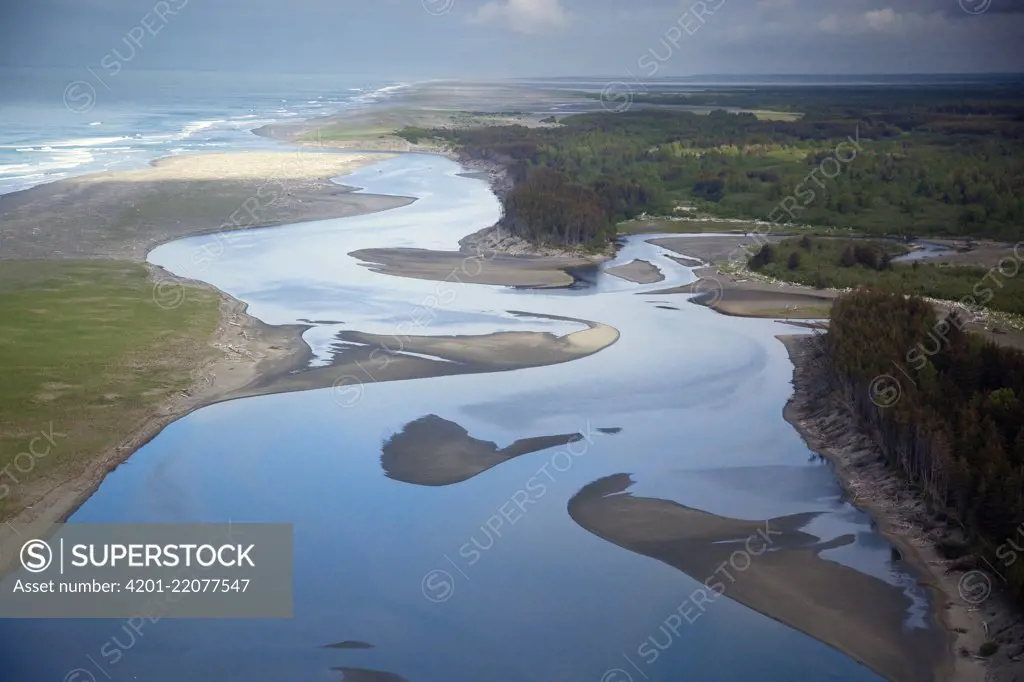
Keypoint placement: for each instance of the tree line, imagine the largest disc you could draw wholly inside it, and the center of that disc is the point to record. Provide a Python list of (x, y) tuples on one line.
[(843, 263), (948, 416), (930, 162)]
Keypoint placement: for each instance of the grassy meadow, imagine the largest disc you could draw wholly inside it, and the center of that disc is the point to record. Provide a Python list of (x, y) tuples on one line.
[(86, 355)]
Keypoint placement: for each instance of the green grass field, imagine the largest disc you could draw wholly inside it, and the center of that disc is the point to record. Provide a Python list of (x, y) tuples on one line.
[(386, 122), (85, 347)]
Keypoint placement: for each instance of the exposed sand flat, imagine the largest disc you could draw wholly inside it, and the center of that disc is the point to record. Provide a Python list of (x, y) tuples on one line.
[(786, 579), (283, 165), (380, 358), (731, 295), (124, 214), (259, 359), (638, 271), (500, 350), (728, 296), (714, 249), (687, 262), (458, 266), (450, 105)]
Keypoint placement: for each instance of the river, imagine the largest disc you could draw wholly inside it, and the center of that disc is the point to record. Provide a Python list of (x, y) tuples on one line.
[(698, 397)]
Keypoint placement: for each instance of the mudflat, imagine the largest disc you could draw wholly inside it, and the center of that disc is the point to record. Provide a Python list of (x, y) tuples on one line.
[(460, 266), (637, 271), (730, 295), (715, 249)]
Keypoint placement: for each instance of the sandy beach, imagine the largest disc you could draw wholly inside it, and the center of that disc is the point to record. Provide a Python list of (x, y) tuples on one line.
[(125, 214), (121, 215), (458, 266)]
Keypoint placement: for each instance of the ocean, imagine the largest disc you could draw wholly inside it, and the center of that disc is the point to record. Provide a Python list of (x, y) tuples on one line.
[(57, 123)]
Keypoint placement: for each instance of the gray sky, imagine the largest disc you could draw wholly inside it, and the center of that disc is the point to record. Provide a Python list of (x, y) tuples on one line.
[(405, 39)]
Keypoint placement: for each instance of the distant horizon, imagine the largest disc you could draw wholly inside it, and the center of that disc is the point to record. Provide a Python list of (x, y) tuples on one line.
[(568, 76)]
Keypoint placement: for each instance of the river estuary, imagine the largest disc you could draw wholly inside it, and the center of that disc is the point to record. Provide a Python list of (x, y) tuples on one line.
[(687, 402)]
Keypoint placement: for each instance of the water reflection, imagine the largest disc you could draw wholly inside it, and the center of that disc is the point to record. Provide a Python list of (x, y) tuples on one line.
[(433, 451)]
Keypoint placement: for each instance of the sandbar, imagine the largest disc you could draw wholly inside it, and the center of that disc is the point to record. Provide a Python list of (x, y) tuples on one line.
[(637, 271), (783, 575)]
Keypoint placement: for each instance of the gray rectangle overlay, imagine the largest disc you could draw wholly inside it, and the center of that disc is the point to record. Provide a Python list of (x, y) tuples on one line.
[(95, 570)]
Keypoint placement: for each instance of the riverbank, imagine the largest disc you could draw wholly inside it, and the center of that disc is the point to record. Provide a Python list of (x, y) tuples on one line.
[(830, 428), (88, 230), (130, 372), (377, 130), (973, 618), (730, 294), (740, 293), (242, 357), (490, 267), (144, 347), (138, 349)]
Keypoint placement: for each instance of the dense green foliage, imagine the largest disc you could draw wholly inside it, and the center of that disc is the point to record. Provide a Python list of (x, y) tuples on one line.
[(848, 263), (910, 161), (904, 106), (946, 409), (546, 206)]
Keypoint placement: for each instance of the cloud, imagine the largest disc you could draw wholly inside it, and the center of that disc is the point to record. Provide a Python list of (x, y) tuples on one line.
[(885, 20), (524, 16), (881, 19)]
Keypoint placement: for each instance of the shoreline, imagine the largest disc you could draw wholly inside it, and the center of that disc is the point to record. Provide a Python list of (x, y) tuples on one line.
[(830, 428), (240, 342), (123, 215), (250, 358)]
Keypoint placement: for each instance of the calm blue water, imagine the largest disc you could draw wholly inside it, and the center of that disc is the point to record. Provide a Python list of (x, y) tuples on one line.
[(57, 123), (698, 397)]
